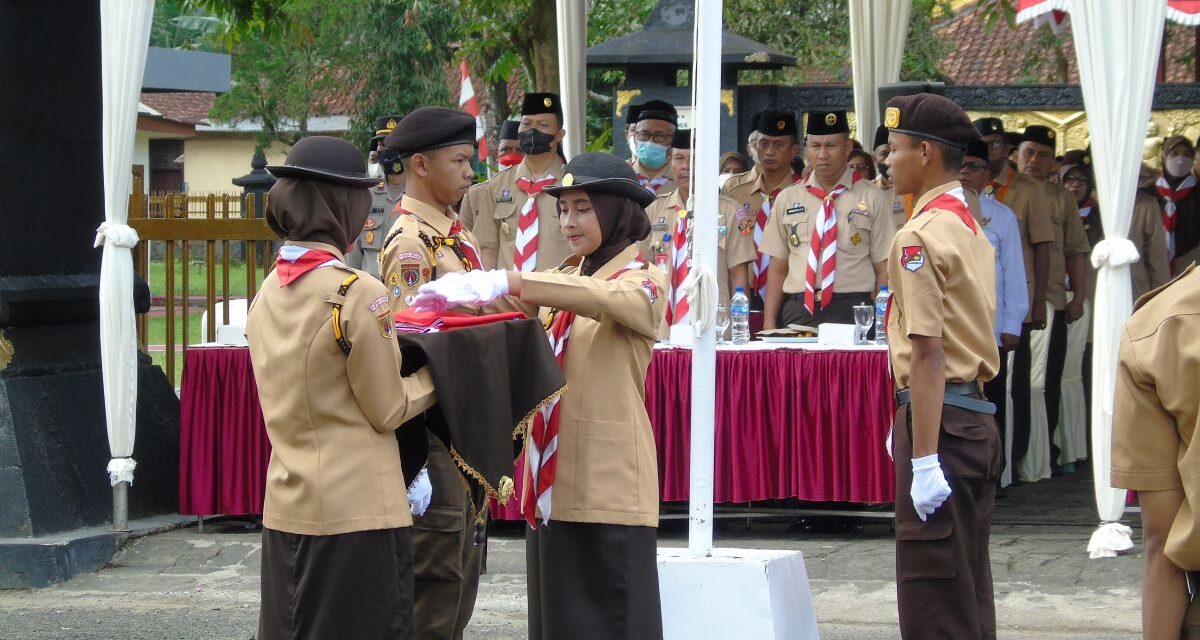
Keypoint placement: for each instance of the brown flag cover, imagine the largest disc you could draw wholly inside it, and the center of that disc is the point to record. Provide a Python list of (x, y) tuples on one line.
[(491, 379)]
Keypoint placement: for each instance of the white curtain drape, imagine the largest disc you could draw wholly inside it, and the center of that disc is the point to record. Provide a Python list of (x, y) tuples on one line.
[(124, 36), (1117, 46), (878, 30)]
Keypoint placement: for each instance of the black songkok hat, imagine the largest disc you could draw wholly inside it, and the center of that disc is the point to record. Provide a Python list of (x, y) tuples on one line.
[(989, 126), (881, 137), (508, 129), (631, 115), (930, 116), (776, 123), (823, 123), (536, 103), (658, 110), (977, 149), (682, 139), (1038, 134), (430, 128)]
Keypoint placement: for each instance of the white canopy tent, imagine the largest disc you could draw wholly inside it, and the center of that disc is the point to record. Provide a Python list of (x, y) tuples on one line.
[(878, 31), (125, 35)]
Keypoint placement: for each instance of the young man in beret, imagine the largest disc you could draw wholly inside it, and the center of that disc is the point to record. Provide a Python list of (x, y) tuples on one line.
[(384, 198), (1069, 251), (516, 223), (1024, 196), (939, 324), (828, 235), (436, 146), (653, 132), (756, 190)]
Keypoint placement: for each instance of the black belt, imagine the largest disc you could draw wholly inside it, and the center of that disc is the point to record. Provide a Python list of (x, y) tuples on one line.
[(958, 394)]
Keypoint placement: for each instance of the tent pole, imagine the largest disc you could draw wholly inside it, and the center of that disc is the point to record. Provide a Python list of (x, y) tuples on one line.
[(120, 521), (572, 73)]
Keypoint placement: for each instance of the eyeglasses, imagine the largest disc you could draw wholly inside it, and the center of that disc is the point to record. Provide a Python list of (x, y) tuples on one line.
[(1075, 180), (660, 138)]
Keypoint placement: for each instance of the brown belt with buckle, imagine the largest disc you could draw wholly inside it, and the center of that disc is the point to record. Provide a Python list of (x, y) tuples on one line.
[(958, 394)]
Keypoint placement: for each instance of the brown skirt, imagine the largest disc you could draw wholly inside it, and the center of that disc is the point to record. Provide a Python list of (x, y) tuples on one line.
[(593, 582), (353, 585)]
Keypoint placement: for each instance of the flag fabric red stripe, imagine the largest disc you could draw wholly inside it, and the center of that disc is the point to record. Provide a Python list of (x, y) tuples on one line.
[(469, 103)]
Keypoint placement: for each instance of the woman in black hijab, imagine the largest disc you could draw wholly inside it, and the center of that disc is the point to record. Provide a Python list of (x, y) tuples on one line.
[(590, 489)]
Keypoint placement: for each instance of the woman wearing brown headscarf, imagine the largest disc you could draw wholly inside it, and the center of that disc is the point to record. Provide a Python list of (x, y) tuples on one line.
[(592, 473), (336, 554), (1180, 201)]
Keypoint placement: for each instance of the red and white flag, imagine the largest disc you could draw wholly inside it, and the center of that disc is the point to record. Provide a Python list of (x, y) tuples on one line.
[(467, 102)]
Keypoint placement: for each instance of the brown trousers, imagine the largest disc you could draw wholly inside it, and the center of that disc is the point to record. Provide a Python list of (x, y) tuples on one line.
[(943, 570), (446, 558)]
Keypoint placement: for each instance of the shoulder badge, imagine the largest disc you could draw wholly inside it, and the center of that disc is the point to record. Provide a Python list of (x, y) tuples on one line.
[(912, 258)]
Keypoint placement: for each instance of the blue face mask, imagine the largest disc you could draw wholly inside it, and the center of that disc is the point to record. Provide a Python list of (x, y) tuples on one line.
[(651, 155)]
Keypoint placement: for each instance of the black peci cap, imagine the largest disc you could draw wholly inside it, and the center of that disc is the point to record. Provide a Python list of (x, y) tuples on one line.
[(682, 139), (631, 114), (536, 103), (508, 129), (1038, 134), (823, 123), (977, 149), (327, 159), (989, 126), (930, 116), (881, 137), (658, 110), (603, 173), (776, 123), (431, 128)]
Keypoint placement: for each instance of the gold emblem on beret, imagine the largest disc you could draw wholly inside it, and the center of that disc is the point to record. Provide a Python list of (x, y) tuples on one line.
[(1050, 134), (391, 123), (568, 180), (781, 125), (831, 119), (548, 102), (891, 117)]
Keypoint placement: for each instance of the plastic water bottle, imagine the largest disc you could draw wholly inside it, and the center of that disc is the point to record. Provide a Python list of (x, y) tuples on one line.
[(739, 316), (881, 302)]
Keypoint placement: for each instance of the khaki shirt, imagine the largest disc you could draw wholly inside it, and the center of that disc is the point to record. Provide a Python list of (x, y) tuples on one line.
[(334, 465), (747, 189), (902, 205), (644, 174), (942, 276), (735, 244), (607, 461), (865, 228), (1070, 239), (365, 256), (406, 262), (1156, 407), (492, 210), (1026, 197), (1146, 232)]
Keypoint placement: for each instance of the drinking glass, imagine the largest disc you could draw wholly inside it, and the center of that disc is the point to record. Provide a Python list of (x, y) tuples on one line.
[(722, 323), (864, 317)]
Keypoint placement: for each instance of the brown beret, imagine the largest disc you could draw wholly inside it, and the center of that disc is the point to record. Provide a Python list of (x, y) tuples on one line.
[(431, 128), (926, 115)]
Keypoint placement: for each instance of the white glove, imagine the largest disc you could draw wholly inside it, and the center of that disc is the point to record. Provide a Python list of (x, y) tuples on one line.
[(455, 289), (929, 487), (420, 492)]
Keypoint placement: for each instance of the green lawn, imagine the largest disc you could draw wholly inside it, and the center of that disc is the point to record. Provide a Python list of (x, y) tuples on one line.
[(197, 279)]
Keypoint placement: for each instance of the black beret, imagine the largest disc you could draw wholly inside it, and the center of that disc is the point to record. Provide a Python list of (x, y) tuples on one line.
[(603, 173), (631, 114), (1038, 134), (327, 159), (881, 137), (384, 126), (508, 129), (930, 116), (536, 103), (989, 126), (776, 123), (431, 128), (682, 139), (977, 149), (658, 110), (1078, 156), (823, 123)]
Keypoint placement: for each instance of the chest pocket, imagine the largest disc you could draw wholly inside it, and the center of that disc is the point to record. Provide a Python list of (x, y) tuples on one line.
[(857, 233), (798, 224), (507, 215)]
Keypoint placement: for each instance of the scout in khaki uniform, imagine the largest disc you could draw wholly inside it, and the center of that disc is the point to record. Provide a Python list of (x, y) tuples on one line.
[(756, 190), (1025, 196), (670, 235), (902, 204), (652, 134), (1069, 251), (1154, 451), (591, 559), (939, 325), (436, 146), (384, 198), (828, 235), (515, 222), (337, 558)]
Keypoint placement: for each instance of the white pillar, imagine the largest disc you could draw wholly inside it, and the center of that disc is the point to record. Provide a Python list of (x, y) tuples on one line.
[(572, 73)]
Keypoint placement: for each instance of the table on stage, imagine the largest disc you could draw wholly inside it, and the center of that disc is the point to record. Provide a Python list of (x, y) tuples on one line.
[(793, 421)]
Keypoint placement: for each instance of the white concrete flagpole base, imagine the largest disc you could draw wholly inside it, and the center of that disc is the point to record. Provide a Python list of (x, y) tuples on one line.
[(735, 593)]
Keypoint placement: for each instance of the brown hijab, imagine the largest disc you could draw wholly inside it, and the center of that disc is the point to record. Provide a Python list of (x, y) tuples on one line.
[(317, 211), (622, 223)]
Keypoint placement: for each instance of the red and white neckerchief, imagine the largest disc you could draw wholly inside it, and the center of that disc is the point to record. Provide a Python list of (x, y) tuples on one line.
[(762, 260), (525, 251), (1085, 209), (541, 444), (1170, 210), (953, 201), (453, 241), (468, 249), (822, 247), (678, 313), (653, 184), (295, 261)]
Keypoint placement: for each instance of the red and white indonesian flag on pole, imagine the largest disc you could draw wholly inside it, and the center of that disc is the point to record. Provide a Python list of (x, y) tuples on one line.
[(1055, 12), (468, 103)]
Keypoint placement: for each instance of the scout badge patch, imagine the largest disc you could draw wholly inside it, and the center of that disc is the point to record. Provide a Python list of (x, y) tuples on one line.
[(651, 290), (793, 237), (912, 258), (386, 326), (411, 274), (856, 239), (746, 226)]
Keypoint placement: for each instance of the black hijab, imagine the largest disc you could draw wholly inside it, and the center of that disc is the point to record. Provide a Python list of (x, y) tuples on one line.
[(317, 211), (622, 223)]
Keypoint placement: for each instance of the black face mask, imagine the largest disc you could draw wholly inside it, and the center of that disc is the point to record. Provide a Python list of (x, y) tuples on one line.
[(534, 142)]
